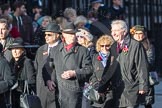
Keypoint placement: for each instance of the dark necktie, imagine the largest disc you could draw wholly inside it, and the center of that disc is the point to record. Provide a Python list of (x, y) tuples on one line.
[(118, 48), (50, 48)]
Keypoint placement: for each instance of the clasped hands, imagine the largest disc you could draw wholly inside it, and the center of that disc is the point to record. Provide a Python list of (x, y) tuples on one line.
[(65, 75), (68, 74)]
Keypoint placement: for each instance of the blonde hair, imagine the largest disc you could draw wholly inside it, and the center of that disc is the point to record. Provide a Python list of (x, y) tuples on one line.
[(88, 37), (87, 43), (103, 39)]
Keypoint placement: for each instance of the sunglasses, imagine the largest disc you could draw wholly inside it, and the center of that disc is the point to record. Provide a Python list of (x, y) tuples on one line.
[(105, 45), (80, 36), (48, 34)]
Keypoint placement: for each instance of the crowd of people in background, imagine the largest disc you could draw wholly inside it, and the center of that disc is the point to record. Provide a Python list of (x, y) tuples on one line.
[(75, 50)]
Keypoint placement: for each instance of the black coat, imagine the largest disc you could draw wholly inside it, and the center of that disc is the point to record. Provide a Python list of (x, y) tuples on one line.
[(78, 59), (38, 38), (98, 68), (23, 69), (6, 79), (98, 72), (7, 53)]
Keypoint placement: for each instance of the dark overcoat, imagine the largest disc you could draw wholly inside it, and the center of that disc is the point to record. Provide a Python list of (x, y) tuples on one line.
[(6, 79), (98, 68), (98, 72), (130, 73), (23, 69), (78, 59), (7, 53), (47, 98)]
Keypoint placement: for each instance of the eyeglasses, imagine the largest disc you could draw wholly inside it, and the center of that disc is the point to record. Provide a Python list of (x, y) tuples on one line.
[(80, 36), (53, 34), (105, 46)]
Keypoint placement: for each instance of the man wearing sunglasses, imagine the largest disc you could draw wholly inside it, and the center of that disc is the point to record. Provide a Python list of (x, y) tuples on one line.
[(45, 84)]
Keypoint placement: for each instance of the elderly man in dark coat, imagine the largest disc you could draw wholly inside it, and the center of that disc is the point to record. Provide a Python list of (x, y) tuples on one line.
[(6, 78), (52, 37), (130, 71), (73, 67)]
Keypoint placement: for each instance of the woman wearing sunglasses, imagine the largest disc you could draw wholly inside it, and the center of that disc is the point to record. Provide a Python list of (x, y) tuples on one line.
[(85, 38), (99, 61)]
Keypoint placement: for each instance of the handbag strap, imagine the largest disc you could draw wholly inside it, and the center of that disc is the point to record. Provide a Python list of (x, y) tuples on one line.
[(26, 87)]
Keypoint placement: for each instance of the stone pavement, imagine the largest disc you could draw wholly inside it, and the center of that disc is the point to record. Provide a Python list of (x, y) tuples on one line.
[(158, 95)]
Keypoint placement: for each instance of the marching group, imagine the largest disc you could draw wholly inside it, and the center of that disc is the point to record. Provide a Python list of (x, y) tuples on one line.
[(74, 52)]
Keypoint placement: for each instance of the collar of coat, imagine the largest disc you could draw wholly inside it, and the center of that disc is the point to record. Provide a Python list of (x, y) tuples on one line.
[(74, 49), (126, 41)]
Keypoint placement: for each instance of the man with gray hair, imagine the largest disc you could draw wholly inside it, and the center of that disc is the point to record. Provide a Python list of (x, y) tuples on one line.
[(129, 70)]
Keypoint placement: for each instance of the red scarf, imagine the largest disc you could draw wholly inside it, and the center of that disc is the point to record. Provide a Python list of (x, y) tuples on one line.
[(69, 46)]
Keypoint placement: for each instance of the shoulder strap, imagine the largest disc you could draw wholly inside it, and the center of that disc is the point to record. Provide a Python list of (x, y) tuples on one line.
[(26, 88)]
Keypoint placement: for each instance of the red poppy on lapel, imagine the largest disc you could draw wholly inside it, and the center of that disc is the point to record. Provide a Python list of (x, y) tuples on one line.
[(99, 58), (125, 49)]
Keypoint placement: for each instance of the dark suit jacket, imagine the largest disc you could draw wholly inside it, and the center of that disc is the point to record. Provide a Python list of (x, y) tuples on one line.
[(47, 98)]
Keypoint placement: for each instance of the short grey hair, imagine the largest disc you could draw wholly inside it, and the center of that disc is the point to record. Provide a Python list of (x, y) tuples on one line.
[(121, 24), (70, 12), (80, 19)]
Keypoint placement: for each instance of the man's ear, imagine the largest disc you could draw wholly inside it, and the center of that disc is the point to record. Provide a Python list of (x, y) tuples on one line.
[(124, 32)]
